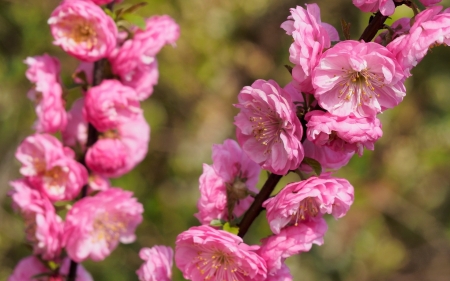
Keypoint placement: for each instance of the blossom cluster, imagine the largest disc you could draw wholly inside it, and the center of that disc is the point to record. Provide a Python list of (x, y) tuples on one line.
[(103, 135), (312, 126)]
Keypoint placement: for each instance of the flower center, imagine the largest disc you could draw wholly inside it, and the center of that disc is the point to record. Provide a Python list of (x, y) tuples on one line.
[(79, 30), (108, 227), (308, 208), (55, 180), (218, 265), (361, 84), (266, 126)]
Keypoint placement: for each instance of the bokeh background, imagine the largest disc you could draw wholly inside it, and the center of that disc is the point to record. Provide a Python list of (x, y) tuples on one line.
[(399, 225)]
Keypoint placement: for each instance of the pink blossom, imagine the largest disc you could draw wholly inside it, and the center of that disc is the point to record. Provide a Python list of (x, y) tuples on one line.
[(358, 78), (427, 3), (225, 186), (43, 71), (204, 253), (76, 131), (83, 30), (50, 167), (43, 227), (386, 7), (328, 158), (400, 27), (430, 28), (308, 200), (348, 133), (311, 37), (107, 157), (268, 129), (158, 264), (119, 150), (98, 183), (95, 225), (88, 69), (290, 241), (283, 274), (102, 2), (31, 266), (110, 104), (135, 60)]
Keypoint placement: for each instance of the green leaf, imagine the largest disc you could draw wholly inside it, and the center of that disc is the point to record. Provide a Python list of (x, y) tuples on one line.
[(110, 13), (137, 20), (216, 223), (231, 229), (314, 164), (135, 7)]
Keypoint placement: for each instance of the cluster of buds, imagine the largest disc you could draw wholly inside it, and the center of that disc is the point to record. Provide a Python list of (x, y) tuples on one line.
[(312, 126), (71, 211)]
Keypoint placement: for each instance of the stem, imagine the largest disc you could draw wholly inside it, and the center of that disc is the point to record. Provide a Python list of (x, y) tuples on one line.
[(256, 207), (98, 76)]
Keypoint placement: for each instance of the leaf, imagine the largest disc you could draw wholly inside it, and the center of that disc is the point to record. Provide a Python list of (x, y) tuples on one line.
[(314, 164), (110, 13), (135, 7), (137, 20), (216, 223), (231, 229), (346, 29)]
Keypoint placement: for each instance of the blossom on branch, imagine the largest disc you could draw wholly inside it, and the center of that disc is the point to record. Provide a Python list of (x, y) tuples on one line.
[(268, 129), (158, 264), (386, 7), (83, 30), (205, 253), (95, 225)]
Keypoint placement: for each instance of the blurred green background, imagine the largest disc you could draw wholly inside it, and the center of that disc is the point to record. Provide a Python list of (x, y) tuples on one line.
[(399, 225)]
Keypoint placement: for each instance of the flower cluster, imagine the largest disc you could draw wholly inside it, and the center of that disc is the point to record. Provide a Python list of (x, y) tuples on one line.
[(312, 126), (104, 135)]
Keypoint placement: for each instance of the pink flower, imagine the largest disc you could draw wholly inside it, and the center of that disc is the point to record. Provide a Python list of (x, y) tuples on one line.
[(308, 200), (386, 7), (76, 131), (225, 187), (43, 227), (83, 30), (268, 129), (158, 264), (358, 78), (28, 268), (47, 94), (328, 158), (311, 37), (119, 150), (98, 183), (110, 104), (427, 3), (343, 133), (204, 253), (95, 225), (291, 241), (50, 167), (135, 60), (283, 274), (430, 28)]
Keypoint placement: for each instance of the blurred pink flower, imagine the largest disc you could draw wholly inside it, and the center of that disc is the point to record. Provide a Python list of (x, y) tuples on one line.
[(268, 129), (158, 262), (76, 131), (95, 225), (283, 274), (349, 134), (98, 183), (358, 78), (107, 157), (110, 104), (31, 266), (431, 27), (135, 60), (427, 3), (43, 71), (204, 253), (226, 182), (50, 167), (43, 227), (328, 158), (83, 30), (386, 7), (308, 200), (290, 241), (311, 37)]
